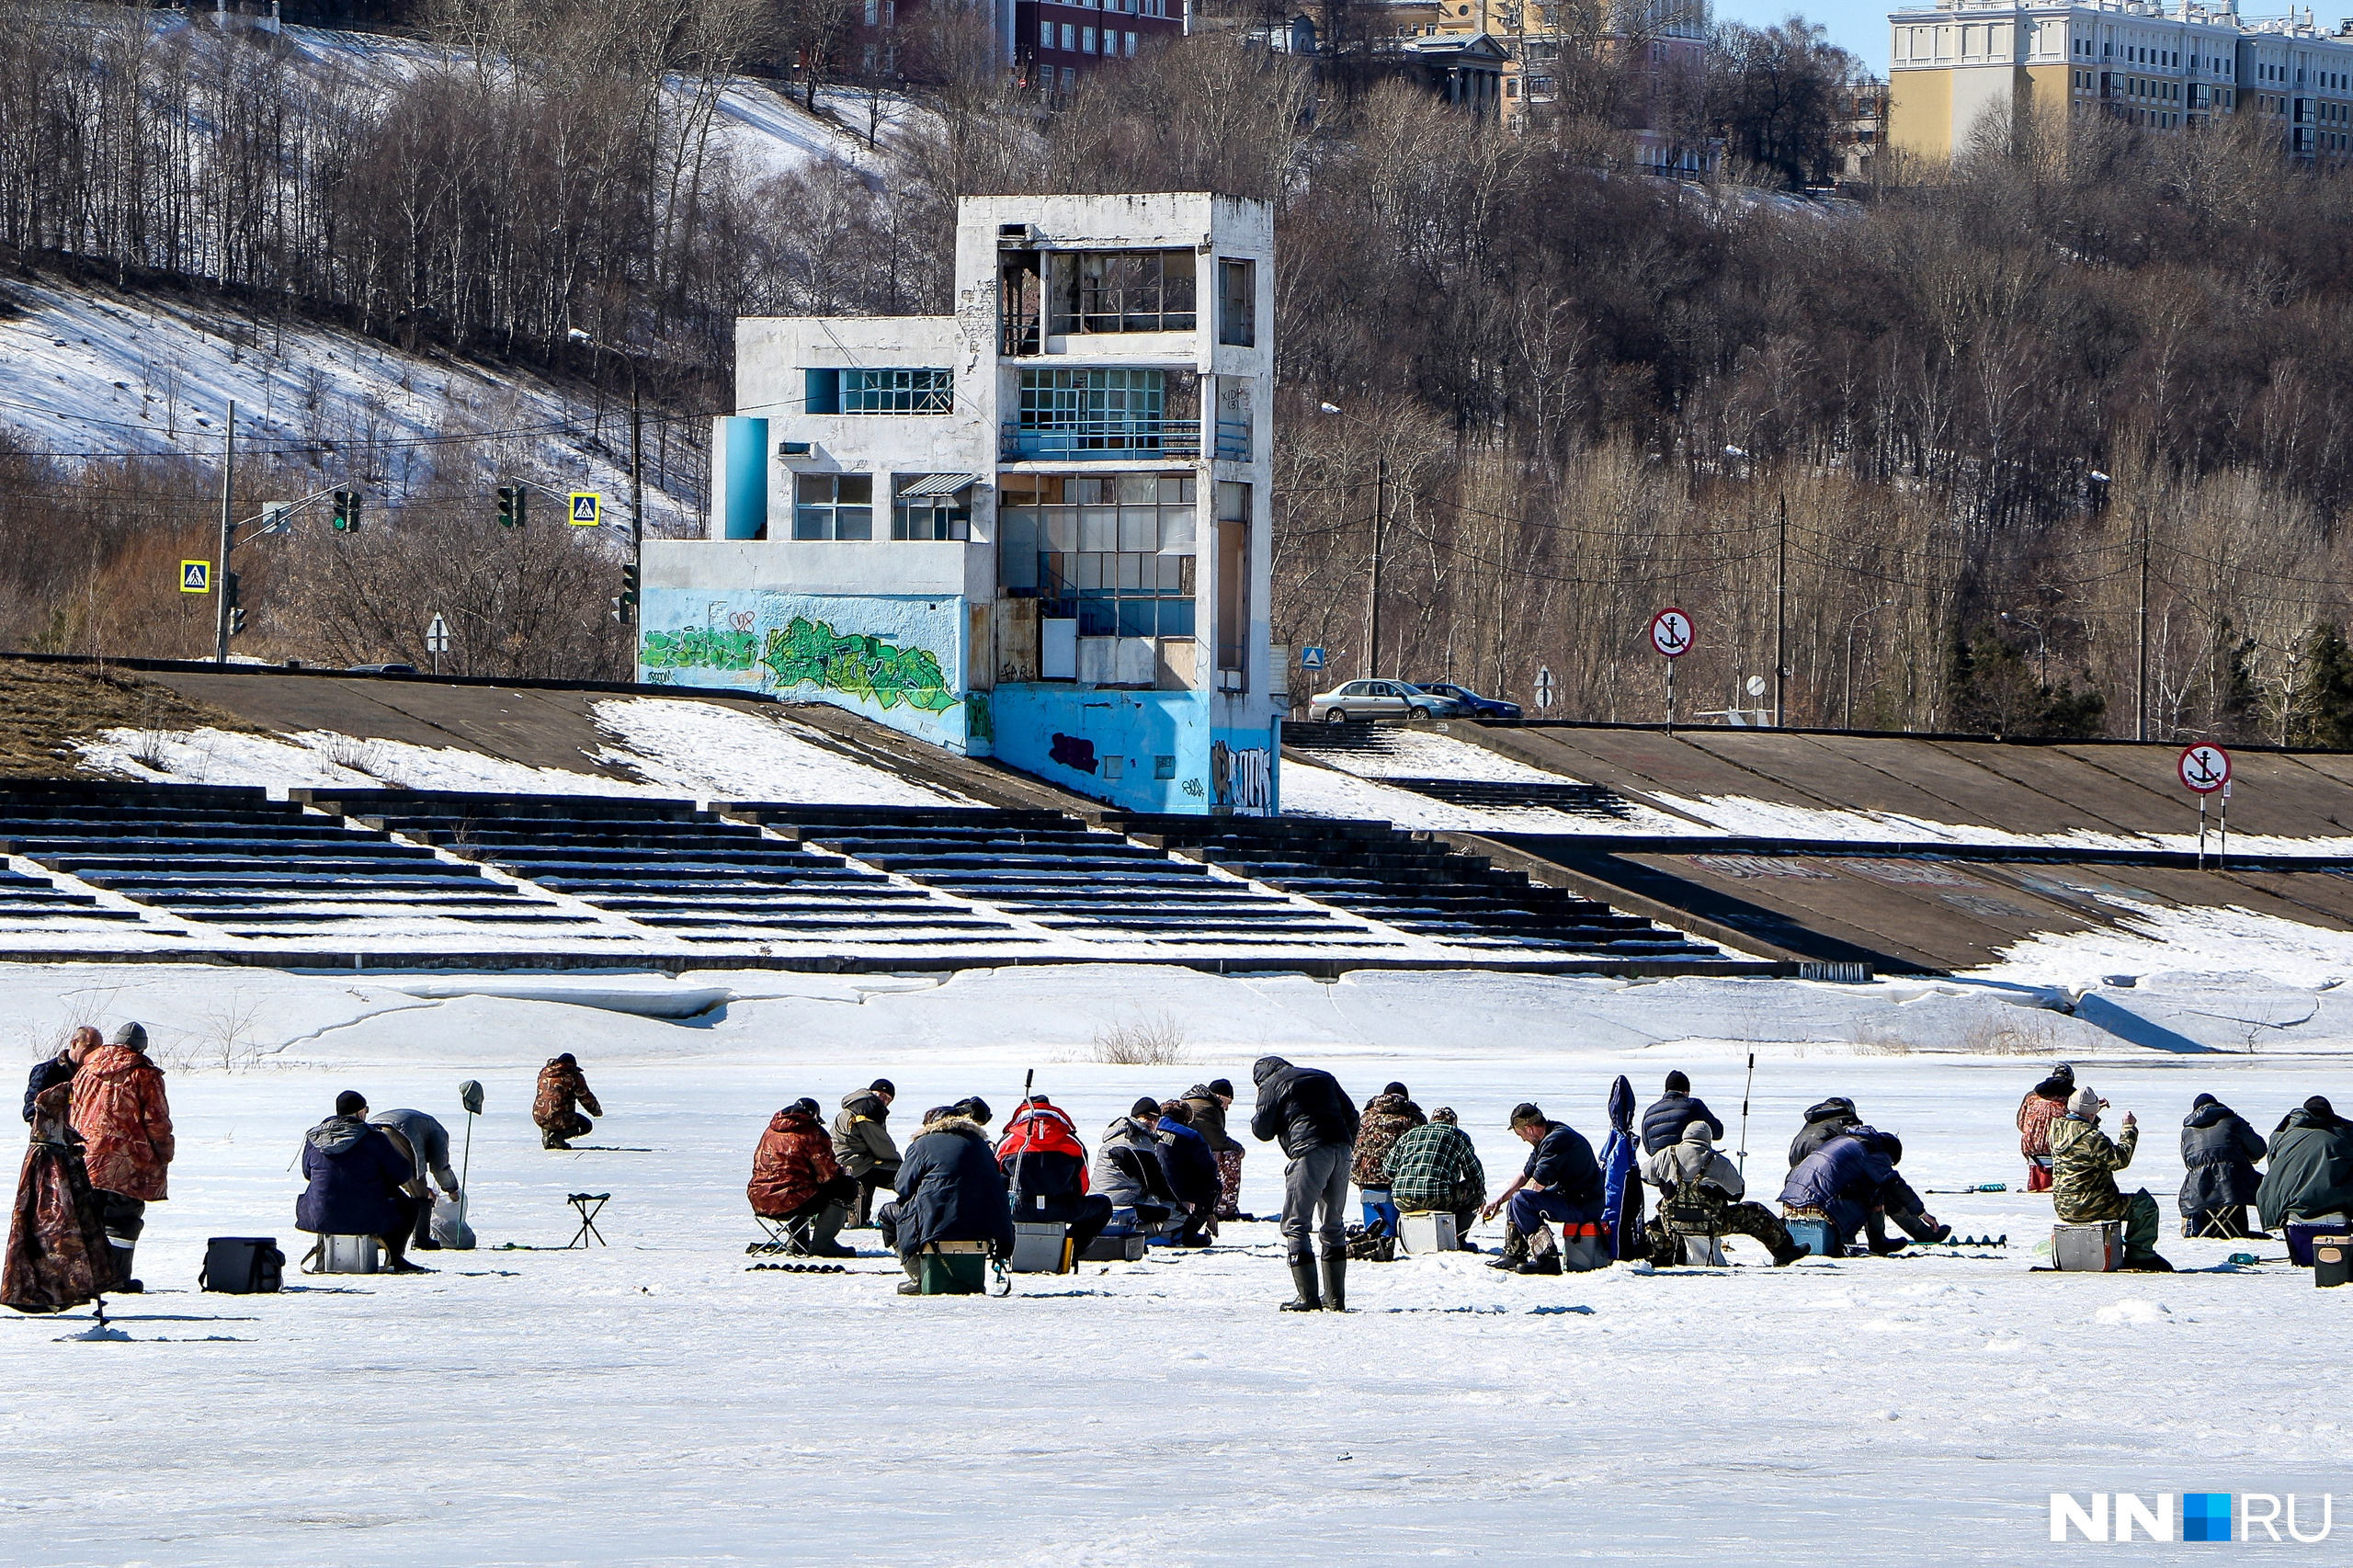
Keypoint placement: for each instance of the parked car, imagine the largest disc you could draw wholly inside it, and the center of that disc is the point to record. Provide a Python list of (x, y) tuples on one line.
[(1365, 700), (382, 670), (1476, 706)]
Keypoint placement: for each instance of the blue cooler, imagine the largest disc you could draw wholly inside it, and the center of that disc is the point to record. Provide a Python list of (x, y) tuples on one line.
[(1378, 1210), (1815, 1235), (2302, 1231)]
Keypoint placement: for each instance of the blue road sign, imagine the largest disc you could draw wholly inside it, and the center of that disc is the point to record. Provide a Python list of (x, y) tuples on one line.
[(1311, 658)]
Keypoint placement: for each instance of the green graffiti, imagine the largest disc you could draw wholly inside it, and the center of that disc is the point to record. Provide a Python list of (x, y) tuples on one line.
[(698, 647), (811, 652), (977, 725)]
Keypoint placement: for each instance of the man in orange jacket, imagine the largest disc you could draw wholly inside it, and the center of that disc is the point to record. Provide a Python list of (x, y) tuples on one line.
[(125, 1122)]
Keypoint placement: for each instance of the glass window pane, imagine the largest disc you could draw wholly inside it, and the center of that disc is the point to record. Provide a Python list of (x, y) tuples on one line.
[(1140, 528), (854, 522), (1177, 530), (1168, 574), (1137, 487), (854, 486), (1176, 618), (813, 487), (1096, 618), (812, 522), (1131, 571), (1090, 572), (1062, 527), (1137, 618), (1099, 527)]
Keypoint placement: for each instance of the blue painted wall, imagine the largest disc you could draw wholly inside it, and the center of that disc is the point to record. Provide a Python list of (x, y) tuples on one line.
[(1168, 760), (741, 455)]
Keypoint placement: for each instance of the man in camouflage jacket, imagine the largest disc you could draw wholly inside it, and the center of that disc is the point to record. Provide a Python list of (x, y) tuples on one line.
[(2083, 1162)]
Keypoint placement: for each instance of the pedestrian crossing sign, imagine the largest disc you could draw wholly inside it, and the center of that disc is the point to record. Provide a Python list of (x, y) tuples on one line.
[(196, 576), (586, 504)]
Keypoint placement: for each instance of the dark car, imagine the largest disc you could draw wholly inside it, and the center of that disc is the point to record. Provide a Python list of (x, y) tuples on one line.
[(382, 670), (1476, 706)]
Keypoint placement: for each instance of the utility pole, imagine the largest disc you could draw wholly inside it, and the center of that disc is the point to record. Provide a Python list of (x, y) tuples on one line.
[(221, 589), (636, 509), (2141, 670), (1781, 610), (1372, 594)]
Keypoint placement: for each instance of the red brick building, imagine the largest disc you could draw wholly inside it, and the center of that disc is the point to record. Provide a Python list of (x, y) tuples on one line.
[(1055, 42)]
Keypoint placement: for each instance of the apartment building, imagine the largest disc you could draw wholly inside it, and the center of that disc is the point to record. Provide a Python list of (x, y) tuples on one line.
[(1953, 64), (1537, 40), (1056, 41), (1037, 528)]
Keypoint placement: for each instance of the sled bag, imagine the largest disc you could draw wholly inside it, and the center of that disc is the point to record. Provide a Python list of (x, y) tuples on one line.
[(449, 1227), (2302, 1231), (242, 1265), (2332, 1261)]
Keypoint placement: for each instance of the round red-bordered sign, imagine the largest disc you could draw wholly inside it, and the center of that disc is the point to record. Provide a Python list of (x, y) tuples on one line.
[(1671, 633), (2204, 767)]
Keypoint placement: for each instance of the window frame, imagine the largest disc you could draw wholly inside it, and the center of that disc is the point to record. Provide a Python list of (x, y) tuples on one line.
[(820, 519)]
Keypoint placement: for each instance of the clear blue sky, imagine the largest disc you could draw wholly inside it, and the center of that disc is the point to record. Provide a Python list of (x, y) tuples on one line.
[(1858, 27)]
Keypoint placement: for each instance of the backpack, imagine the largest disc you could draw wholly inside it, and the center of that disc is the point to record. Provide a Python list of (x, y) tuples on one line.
[(1373, 1243), (242, 1265), (1691, 1209)]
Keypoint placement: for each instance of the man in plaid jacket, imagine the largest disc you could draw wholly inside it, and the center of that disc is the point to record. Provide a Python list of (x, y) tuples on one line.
[(1434, 1167)]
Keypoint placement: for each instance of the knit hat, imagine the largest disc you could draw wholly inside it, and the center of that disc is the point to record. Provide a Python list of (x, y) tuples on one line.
[(2083, 1104), (2064, 1073), (351, 1102), (1443, 1115), (131, 1035), (567, 1060), (1698, 1131), (1221, 1086), (1676, 1084), (1398, 1089), (975, 1107), (1525, 1114), (882, 1086), (2202, 1101), (2318, 1104), (1147, 1108)]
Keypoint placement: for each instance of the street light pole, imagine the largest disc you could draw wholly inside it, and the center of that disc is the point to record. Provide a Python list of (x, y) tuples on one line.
[(1372, 589), (228, 523), (1781, 610), (1847, 719)]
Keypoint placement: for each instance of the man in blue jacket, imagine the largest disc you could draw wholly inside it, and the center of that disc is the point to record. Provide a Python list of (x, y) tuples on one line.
[(359, 1184), (1316, 1121), (950, 1190), (1843, 1182), (1562, 1182)]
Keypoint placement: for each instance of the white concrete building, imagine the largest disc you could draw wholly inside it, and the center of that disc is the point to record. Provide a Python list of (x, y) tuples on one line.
[(1037, 528)]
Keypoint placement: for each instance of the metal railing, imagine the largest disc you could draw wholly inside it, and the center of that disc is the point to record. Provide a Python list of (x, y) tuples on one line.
[(1233, 440), (1103, 440)]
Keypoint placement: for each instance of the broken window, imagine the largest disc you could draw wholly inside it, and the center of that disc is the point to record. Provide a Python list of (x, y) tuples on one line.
[(1232, 581), (1146, 290), (1107, 413), (1237, 303), (931, 506)]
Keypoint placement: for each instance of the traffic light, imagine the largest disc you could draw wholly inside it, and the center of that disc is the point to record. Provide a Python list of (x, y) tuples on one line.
[(236, 620), (616, 607), (629, 584), (236, 614), (346, 511), (513, 501)]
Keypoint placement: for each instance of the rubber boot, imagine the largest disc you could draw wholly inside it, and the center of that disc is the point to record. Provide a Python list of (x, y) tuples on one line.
[(1922, 1227), (1302, 1277), (123, 1250), (1336, 1284), (1515, 1248), (825, 1227), (913, 1284)]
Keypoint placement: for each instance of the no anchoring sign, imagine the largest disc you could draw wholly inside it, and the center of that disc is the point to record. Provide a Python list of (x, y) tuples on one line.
[(1671, 633), (2204, 767)]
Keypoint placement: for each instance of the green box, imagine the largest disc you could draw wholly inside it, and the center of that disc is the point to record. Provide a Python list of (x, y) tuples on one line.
[(953, 1273)]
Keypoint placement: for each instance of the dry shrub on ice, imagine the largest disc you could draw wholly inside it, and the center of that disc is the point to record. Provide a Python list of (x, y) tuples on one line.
[(1142, 1040), (2027, 1034)]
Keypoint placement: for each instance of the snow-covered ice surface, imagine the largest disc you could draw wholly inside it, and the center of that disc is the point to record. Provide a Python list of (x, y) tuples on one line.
[(656, 1403), (716, 753)]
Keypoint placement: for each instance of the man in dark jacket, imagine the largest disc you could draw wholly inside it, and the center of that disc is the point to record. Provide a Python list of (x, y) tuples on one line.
[(427, 1144), (2219, 1151), (59, 1069), (1191, 1170), (950, 1190), (359, 1184), (1307, 1109), (1208, 1103), (1662, 1124), (862, 1143), (2311, 1167), (1897, 1202), (1045, 1166), (1562, 1182), (1843, 1182)]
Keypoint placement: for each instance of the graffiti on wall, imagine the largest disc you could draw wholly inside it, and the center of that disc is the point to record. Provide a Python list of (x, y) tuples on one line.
[(810, 653), (1073, 751), (700, 648), (1243, 778)]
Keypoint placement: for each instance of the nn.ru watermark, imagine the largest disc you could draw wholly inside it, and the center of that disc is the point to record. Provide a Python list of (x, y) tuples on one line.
[(2111, 1518)]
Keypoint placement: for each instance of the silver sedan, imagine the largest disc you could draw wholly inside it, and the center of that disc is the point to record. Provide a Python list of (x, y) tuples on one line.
[(1366, 699)]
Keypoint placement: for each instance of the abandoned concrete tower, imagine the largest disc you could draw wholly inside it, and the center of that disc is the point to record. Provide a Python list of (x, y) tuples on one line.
[(1037, 528)]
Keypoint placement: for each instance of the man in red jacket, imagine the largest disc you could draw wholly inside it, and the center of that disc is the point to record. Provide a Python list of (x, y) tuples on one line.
[(796, 1180), (1045, 1166), (126, 1126)]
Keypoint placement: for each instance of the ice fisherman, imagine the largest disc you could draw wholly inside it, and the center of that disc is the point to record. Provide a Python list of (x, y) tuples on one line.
[(563, 1090), (58, 1256), (1676, 1109), (1435, 1168), (1896, 1199), (1208, 1103), (1702, 1193), (2219, 1151), (950, 1190), (2311, 1176), (59, 1069), (1561, 1183), (1191, 1170), (2083, 1162), (1130, 1173), (427, 1144), (2044, 1104), (1388, 1116), (1312, 1115), (119, 1107), (862, 1143), (359, 1184), (1045, 1171), (797, 1181), (1845, 1181)]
